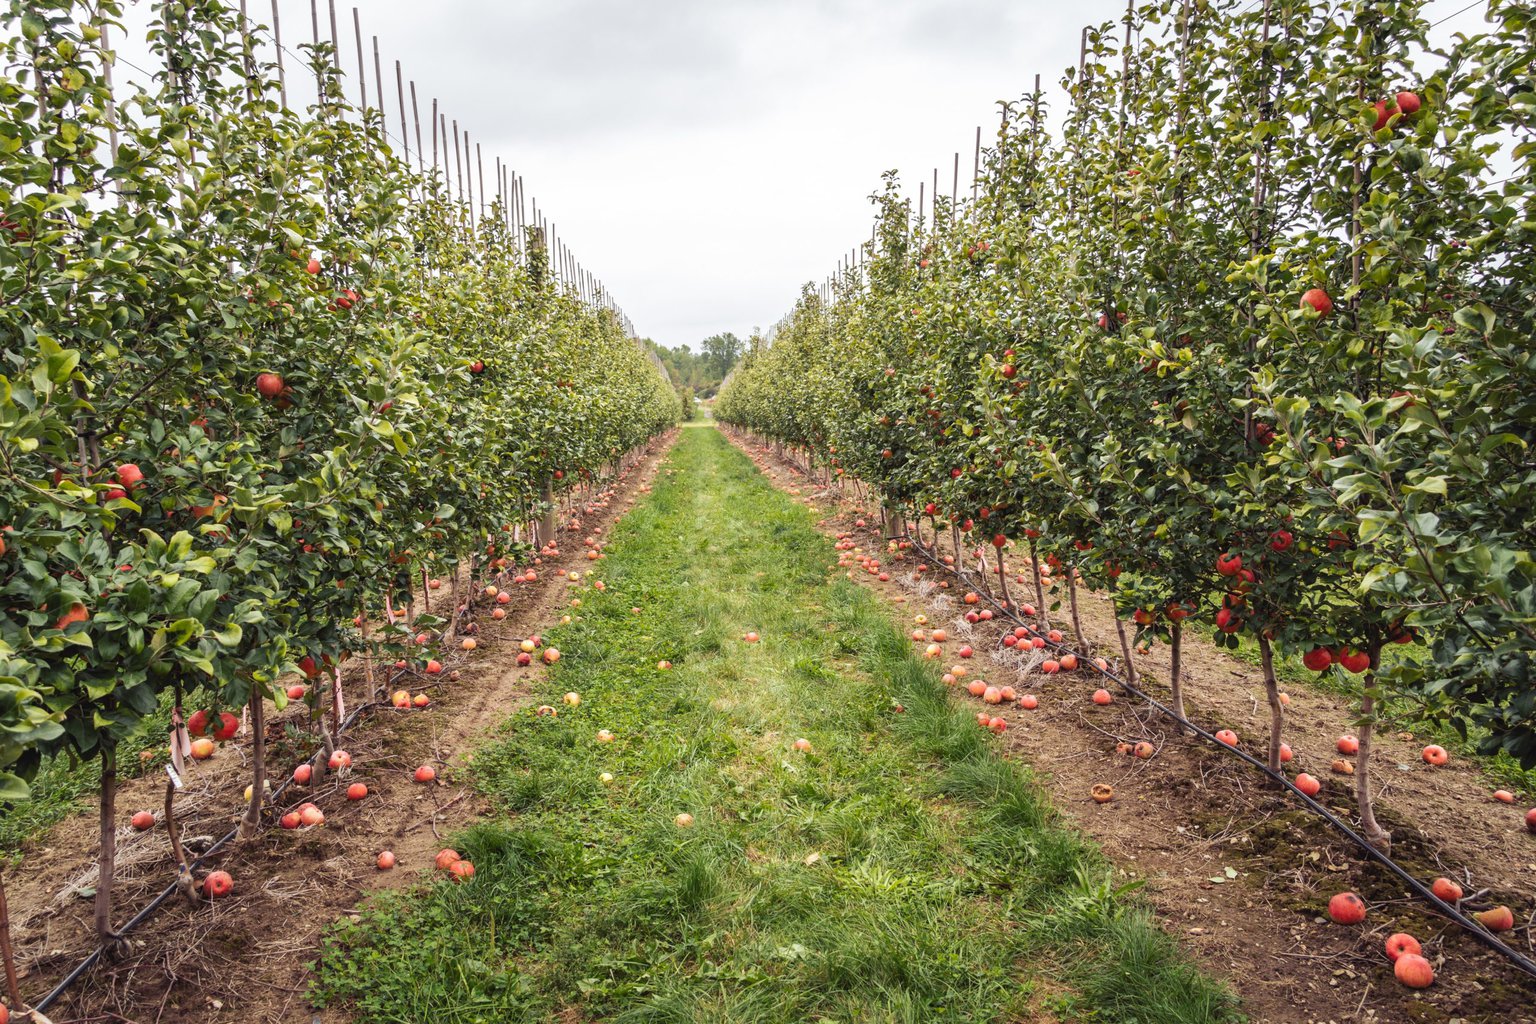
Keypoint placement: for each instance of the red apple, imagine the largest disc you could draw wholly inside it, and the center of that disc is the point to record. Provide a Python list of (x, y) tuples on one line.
[(1446, 889), (386, 860), (1354, 661), (1499, 919), (1318, 659), (143, 821), (1413, 970), (218, 884), (269, 385), (1402, 944), (1346, 908), (356, 791), (1318, 300), (227, 727), (1308, 785)]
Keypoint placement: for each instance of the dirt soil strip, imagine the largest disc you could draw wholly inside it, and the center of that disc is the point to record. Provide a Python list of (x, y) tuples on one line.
[(1240, 872), (245, 958)]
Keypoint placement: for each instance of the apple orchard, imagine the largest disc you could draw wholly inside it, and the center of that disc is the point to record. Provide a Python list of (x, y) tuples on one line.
[(260, 376), (1247, 346), (1245, 343)]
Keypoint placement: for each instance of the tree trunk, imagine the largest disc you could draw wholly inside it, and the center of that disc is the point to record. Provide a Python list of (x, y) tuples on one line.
[(1041, 611), (252, 820), (1373, 832), (1176, 674), (106, 860), (184, 881), (547, 525), (1131, 675), (1077, 624), (12, 988), (1276, 709)]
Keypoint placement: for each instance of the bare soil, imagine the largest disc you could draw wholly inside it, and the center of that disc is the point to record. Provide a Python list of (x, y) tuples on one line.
[(245, 958), (1233, 867)]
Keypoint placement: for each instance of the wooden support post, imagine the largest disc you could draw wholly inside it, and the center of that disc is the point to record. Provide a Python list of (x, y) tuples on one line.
[(362, 68), (458, 161), (277, 42), (335, 40), (480, 172), (421, 165), (405, 131), (378, 83), (976, 167)]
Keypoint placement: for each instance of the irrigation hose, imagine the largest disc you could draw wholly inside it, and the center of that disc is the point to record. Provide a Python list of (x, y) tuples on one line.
[(94, 956), (1419, 889)]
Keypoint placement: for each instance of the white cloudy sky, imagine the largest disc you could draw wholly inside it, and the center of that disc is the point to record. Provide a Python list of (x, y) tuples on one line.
[(706, 157)]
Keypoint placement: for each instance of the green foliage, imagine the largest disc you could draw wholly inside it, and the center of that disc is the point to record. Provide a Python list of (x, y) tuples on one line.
[(432, 378), (943, 887), (1110, 348), (702, 371)]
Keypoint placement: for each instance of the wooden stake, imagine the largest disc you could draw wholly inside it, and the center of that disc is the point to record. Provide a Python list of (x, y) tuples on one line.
[(458, 161), (434, 127), (335, 39), (405, 131), (106, 77), (277, 41), (362, 68), (976, 166), (378, 84), (470, 180), (480, 171), (314, 21), (421, 166)]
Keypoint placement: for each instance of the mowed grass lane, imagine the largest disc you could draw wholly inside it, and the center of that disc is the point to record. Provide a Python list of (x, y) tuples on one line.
[(897, 871)]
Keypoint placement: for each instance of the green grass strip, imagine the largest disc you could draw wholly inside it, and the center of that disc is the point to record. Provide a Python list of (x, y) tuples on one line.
[(900, 871)]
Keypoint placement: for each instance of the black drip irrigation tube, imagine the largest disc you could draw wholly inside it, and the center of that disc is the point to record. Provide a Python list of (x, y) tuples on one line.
[(170, 890), (94, 957), (1419, 889)]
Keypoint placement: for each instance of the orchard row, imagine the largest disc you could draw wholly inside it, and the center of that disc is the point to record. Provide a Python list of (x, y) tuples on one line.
[(259, 377), (1246, 344)]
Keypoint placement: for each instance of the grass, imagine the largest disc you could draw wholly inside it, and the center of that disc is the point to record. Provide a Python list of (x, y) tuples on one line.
[(899, 871)]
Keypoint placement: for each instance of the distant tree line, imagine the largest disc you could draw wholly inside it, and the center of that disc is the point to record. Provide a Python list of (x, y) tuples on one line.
[(699, 373)]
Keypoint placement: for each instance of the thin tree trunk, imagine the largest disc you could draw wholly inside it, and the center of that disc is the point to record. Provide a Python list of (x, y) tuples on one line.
[(1176, 675), (12, 988), (1077, 623), (1276, 709), (106, 860), (1125, 648), (1041, 611), (1373, 832), (184, 880), (252, 820)]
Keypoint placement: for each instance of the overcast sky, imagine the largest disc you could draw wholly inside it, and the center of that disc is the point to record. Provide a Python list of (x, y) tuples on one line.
[(707, 157)]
